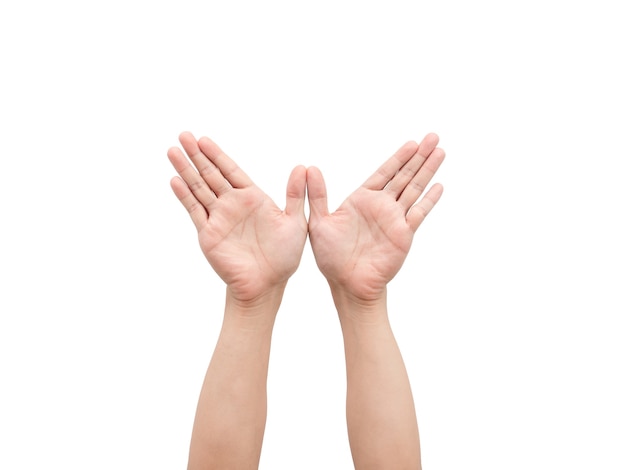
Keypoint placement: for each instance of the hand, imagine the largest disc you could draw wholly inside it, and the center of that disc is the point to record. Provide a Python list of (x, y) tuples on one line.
[(251, 244), (362, 245)]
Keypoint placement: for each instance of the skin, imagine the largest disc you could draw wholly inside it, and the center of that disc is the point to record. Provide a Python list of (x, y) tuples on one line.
[(239, 229), (359, 248)]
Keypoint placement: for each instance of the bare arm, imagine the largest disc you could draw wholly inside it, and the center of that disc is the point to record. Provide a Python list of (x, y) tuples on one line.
[(240, 230), (359, 248), (230, 418)]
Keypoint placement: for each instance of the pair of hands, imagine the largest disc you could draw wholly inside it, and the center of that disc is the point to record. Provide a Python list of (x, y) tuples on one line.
[(255, 247)]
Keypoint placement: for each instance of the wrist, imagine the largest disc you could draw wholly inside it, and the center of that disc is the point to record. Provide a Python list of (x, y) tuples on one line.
[(353, 308), (261, 307)]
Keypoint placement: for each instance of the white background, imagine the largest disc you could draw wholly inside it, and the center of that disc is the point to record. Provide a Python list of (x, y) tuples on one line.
[(509, 310)]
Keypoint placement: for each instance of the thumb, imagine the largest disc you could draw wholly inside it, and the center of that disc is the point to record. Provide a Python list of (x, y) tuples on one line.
[(296, 186), (318, 199)]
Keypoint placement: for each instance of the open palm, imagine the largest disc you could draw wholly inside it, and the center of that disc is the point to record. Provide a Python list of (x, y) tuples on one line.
[(362, 245), (251, 243)]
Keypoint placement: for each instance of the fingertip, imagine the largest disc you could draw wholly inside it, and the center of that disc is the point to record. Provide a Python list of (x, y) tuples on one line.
[(185, 135), (177, 181), (411, 145), (314, 177), (209, 147), (435, 192), (171, 152), (300, 170), (205, 140), (296, 190), (176, 159), (314, 174), (420, 211), (297, 182), (316, 192), (179, 187)]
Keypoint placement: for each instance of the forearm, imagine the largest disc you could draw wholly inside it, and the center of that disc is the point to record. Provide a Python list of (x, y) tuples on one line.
[(382, 425), (230, 418)]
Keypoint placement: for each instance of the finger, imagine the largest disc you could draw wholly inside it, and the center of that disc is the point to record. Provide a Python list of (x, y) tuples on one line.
[(408, 171), (229, 169), (416, 186), (387, 171), (296, 187), (419, 211), (195, 208), (190, 176), (207, 170), (316, 189)]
